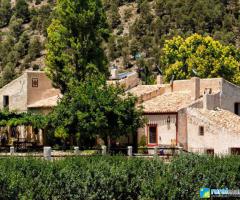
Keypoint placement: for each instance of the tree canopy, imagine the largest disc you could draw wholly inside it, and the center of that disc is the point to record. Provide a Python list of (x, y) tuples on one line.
[(200, 56), (95, 108), (139, 29), (74, 42), (152, 22), (22, 10), (5, 12)]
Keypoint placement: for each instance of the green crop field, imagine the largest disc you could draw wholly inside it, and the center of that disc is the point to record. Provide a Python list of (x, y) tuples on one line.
[(116, 177)]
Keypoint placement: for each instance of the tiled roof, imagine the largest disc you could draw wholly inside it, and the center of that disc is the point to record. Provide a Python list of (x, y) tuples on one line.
[(220, 118), (143, 89), (46, 103), (168, 102)]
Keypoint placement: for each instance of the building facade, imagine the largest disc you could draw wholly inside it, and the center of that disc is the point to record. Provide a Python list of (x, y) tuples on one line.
[(33, 91), (200, 115)]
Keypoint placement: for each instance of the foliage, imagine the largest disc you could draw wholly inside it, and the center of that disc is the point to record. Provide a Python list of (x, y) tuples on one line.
[(15, 27), (22, 10), (143, 141), (5, 12), (14, 119), (116, 177), (143, 29), (21, 25), (94, 108), (34, 49), (74, 42), (41, 19), (158, 20), (114, 16), (200, 56)]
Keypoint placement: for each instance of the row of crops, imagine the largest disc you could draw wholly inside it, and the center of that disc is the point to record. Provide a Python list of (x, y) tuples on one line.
[(116, 177)]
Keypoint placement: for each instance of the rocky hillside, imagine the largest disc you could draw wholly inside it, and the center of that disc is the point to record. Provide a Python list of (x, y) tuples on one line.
[(22, 36), (139, 29)]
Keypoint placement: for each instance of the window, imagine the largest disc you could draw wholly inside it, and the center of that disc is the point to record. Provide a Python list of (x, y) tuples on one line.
[(152, 134), (235, 151), (201, 130), (35, 82), (208, 91), (210, 151), (5, 101), (237, 108)]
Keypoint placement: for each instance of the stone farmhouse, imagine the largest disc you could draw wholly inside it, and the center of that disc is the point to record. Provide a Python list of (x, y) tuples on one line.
[(33, 91), (200, 115)]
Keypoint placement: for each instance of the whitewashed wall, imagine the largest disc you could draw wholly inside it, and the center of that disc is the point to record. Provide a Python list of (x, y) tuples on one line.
[(219, 139), (166, 132)]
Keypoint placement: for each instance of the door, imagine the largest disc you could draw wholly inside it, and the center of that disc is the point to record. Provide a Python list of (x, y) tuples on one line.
[(152, 135)]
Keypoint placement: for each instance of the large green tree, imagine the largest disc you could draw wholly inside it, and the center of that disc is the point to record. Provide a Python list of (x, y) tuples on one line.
[(200, 56), (96, 108), (74, 42)]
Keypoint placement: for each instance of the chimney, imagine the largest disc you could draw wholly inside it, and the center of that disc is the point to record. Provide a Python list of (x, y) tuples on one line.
[(208, 102), (211, 101), (114, 74), (195, 90), (159, 79)]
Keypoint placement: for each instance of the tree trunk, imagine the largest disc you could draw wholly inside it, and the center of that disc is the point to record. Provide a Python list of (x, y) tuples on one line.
[(135, 142)]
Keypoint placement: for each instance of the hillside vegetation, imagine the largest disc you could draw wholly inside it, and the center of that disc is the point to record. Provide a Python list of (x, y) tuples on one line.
[(23, 27), (139, 29)]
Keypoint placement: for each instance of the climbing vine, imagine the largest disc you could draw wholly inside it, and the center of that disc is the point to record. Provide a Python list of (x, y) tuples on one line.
[(37, 121)]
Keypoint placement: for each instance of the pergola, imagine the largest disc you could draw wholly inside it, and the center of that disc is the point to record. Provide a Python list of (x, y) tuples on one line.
[(12, 124)]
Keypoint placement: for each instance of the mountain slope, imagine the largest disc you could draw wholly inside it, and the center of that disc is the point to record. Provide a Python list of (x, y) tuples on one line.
[(139, 29)]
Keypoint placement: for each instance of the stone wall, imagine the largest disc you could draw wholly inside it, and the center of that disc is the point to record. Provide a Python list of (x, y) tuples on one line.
[(182, 85), (182, 128), (229, 96), (22, 93), (183, 123), (186, 85), (130, 82), (217, 138), (17, 92), (166, 132), (211, 101), (214, 83), (44, 89), (150, 95)]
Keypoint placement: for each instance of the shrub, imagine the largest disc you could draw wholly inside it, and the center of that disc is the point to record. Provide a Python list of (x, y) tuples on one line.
[(22, 11), (116, 177)]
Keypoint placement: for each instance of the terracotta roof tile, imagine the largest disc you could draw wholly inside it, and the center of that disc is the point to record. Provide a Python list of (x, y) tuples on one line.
[(143, 89), (168, 102), (219, 118), (46, 103)]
